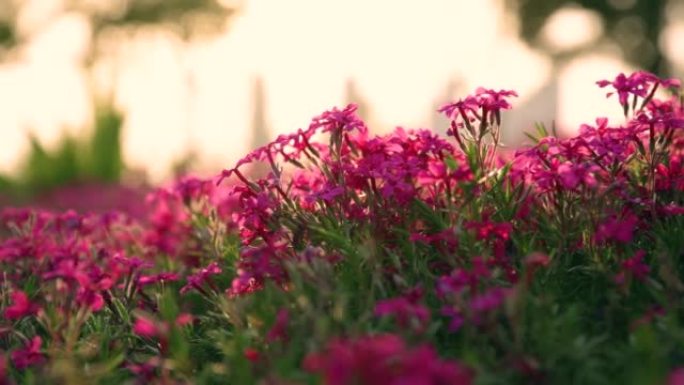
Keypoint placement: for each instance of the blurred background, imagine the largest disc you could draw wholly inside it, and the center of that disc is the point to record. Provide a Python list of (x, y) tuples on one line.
[(128, 93)]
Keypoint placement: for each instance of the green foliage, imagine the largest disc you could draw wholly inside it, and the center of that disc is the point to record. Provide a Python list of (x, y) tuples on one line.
[(104, 162), (636, 28), (178, 13), (96, 158)]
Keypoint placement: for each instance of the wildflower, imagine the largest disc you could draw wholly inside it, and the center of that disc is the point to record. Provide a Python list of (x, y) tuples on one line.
[(634, 267), (29, 355), (145, 280), (338, 120), (279, 329), (617, 229), (571, 175), (456, 318), (145, 327), (407, 309), (488, 300), (192, 188), (146, 371), (534, 262), (21, 306), (676, 377), (4, 379), (487, 229), (652, 313), (484, 106), (184, 319), (640, 84), (197, 280), (383, 359), (251, 354)]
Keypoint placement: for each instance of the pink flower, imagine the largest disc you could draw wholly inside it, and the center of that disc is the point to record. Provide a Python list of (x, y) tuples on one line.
[(676, 377), (21, 306), (151, 328), (484, 106), (279, 329), (145, 327), (203, 276), (639, 84), (383, 359), (633, 267), (407, 310), (569, 175), (488, 300), (534, 262), (145, 280), (29, 355), (336, 120), (617, 229), (4, 380), (184, 319)]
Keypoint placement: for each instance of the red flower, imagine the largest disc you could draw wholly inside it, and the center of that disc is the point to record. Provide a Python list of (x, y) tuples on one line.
[(251, 354)]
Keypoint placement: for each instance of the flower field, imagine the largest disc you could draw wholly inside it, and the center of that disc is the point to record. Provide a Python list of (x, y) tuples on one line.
[(332, 256)]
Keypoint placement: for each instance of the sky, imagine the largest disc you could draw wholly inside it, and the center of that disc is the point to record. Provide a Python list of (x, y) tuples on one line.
[(401, 55)]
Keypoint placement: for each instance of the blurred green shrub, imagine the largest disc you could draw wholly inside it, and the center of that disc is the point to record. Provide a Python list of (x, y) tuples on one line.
[(95, 158)]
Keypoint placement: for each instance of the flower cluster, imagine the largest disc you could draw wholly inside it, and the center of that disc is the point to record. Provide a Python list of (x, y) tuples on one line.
[(334, 256)]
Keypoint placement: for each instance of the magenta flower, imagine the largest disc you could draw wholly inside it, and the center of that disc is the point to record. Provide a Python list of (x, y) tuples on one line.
[(4, 379), (485, 106), (145, 280), (676, 377), (639, 84), (487, 229), (146, 327), (151, 328), (488, 300), (383, 359), (407, 310), (21, 306), (339, 120), (618, 229), (465, 107), (203, 276), (29, 355), (184, 319), (279, 329), (634, 267), (534, 262)]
